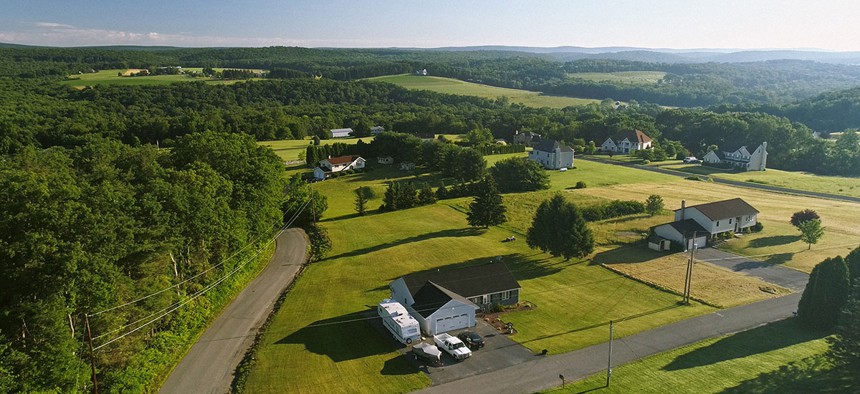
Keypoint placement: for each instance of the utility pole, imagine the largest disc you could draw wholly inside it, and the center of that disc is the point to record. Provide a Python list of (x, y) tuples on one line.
[(92, 354), (688, 279), (609, 359)]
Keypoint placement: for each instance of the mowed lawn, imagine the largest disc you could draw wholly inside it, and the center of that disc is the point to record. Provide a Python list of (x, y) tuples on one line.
[(779, 242), (628, 77), (111, 77), (733, 363), (458, 87), (292, 150), (321, 334), (838, 185)]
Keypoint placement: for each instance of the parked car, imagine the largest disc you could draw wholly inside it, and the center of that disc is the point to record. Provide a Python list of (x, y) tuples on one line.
[(691, 160), (471, 339)]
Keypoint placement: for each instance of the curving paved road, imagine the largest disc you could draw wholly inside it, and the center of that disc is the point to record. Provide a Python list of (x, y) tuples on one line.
[(209, 366)]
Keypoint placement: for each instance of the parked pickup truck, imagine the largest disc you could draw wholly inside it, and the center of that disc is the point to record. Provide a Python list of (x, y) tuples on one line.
[(453, 346)]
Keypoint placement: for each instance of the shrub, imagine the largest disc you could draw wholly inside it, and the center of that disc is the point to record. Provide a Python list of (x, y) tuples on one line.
[(580, 185), (646, 161), (757, 227)]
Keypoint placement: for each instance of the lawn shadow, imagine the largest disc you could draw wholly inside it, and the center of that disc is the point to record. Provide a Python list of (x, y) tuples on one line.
[(398, 365), (523, 267), (625, 255), (780, 258), (346, 337), (809, 375), (452, 233), (762, 339), (775, 240)]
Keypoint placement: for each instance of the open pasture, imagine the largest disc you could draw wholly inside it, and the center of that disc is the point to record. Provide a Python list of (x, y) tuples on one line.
[(462, 88)]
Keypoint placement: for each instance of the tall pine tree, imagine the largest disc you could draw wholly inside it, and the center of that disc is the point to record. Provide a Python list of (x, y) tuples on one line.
[(487, 208), (559, 229), (825, 294)]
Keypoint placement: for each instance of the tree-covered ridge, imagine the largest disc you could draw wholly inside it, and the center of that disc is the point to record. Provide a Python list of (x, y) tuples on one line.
[(85, 229)]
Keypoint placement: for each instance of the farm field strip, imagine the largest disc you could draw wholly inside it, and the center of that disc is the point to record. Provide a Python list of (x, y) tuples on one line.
[(462, 88)]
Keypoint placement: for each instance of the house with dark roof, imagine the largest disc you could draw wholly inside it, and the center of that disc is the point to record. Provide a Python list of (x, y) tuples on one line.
[(552, 155), (528, 138), (446, 300), (699, 223), (627, 142), (740, 158)]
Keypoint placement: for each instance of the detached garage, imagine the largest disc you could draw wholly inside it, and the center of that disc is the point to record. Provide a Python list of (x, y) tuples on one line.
[(438, 310)]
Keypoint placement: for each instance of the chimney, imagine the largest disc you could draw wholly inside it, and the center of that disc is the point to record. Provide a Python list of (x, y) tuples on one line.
[(683, 208)]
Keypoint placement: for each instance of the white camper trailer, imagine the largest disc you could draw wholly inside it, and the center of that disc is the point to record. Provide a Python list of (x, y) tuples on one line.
[(396, 319)]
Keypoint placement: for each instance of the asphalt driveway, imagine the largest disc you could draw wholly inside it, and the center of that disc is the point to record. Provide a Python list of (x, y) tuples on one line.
[(499, 352), (772, 273)]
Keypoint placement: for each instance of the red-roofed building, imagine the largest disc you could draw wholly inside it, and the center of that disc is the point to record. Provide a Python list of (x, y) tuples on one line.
[(627, 142), (338, 164)]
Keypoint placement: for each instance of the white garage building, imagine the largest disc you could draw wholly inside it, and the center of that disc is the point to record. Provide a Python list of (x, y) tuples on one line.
[(446, 300)]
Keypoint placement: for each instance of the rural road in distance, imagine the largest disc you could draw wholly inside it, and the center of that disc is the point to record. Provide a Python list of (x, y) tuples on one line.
[(209, 366)]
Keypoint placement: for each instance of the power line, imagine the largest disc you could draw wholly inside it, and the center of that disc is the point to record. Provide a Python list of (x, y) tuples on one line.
[(175, 306), (292, 219)]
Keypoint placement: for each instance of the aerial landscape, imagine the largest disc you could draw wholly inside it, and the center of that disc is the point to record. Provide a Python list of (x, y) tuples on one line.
[(392, 197)]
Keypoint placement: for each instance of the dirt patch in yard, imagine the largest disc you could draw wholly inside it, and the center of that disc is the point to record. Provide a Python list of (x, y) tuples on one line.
[(711, 284)]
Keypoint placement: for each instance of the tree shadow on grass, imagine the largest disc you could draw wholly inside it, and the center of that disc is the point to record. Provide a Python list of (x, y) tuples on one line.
[(626, 254), (775, 240), (780, 258), (523, 267), (453, 233), (346, 337), (809, 375), (762, 339)]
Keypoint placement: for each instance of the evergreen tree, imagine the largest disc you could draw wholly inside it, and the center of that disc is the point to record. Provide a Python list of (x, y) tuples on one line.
[(487, 208), (853, 262), (654, 204), (825, 294), (559, 229), (426, 195), (845, 345), (361, 198)]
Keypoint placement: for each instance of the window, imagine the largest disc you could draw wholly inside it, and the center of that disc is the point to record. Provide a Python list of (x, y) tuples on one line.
[(718, 223), (730, 221)]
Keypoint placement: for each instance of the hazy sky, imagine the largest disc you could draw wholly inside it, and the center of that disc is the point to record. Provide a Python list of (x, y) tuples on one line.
[(681, 24)]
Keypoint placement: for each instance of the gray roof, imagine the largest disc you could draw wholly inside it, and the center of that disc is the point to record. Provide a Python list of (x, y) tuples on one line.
[(430, 297), (688, 227), (726, 209), (551, 145), (467, 281)]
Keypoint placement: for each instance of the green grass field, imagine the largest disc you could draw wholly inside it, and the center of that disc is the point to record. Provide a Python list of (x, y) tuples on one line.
[(292, 150), (454, 86), (624, 77), (739, 363), (795, 180), (110, 77)]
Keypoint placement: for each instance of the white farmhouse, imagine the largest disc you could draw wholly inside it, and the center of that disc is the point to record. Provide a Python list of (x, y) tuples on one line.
[(740, 158), (627, 142), (338, 164), (699, 223), (552, 155)]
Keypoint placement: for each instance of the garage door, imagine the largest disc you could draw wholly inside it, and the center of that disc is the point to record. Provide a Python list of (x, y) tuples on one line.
[(452, 323)]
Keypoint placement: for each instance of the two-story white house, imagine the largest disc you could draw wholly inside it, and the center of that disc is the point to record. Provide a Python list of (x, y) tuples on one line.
[(552, 155), (700, 223), (338, 164), (627, 142), (740, 158)]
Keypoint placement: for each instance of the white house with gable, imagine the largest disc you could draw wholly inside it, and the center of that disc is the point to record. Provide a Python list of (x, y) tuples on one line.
[(627, 142), (552, 155), (740, 158), (338, 164), (699, 223)]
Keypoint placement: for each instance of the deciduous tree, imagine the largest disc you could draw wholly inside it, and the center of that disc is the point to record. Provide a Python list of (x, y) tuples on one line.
[(654, 204), (801, 216), (519, 174), (811, 231)]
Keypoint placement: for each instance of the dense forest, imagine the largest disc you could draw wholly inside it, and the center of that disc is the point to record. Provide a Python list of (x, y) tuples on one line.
[(114, 193)]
